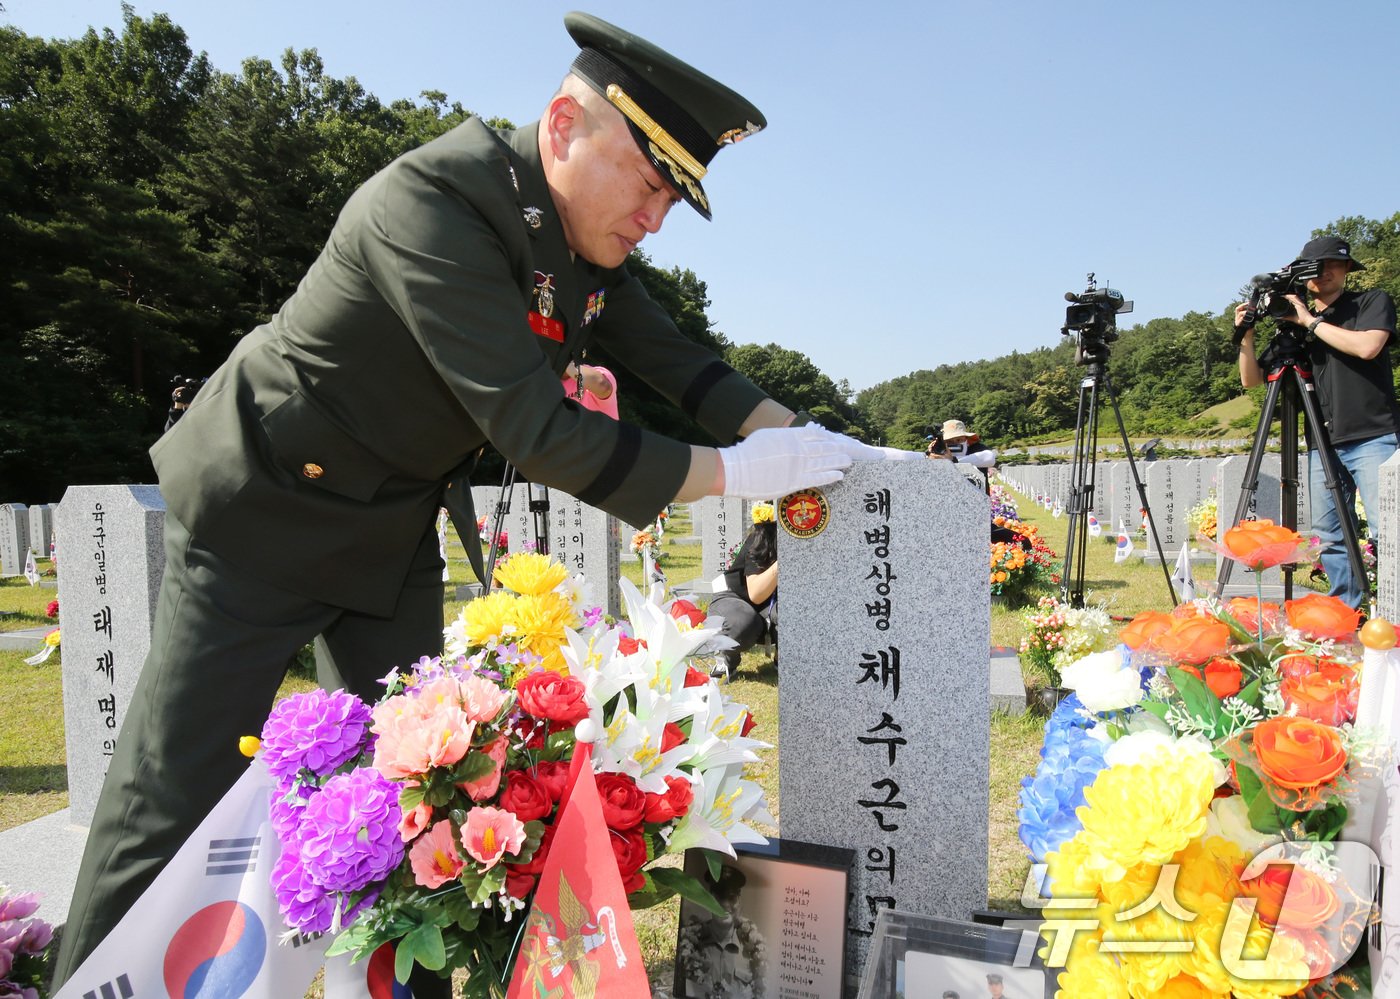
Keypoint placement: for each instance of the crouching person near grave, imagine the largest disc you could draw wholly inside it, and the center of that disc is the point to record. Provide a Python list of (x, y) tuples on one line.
[(301, 485), (749, 602)]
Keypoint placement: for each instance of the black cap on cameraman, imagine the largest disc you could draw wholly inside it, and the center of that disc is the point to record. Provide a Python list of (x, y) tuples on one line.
[(1331, 248)]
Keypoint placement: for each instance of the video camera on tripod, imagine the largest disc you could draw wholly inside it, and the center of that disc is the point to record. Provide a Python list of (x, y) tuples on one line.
[(1267, 293), (1092, 318)]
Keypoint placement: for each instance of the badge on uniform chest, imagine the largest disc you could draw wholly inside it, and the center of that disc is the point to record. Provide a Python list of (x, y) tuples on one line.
[(594, 307), (541, 317)]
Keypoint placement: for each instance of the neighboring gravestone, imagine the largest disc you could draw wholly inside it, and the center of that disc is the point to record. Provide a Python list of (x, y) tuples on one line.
[(1229, 483), (111, 540), (14, 538), (1387, 529), (1126, 502), (721, 522), (40, 529), (1098, 502), (884, 697), (581, 537), (1165, 481)]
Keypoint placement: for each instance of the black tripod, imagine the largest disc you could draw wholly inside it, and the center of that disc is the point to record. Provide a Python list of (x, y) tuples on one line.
[(1285, 355), (1086, 440), (539, 507)]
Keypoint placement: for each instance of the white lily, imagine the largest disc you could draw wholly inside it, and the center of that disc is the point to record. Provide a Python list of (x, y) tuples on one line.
[(717, 818), (715, 732), (631, 743)]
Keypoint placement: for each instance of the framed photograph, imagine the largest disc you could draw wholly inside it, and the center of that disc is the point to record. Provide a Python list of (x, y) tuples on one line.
[(925, 957), (784, 928)]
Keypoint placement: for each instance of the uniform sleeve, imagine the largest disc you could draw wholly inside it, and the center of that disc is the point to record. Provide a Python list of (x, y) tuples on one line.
[(640, 334), (441, 253)]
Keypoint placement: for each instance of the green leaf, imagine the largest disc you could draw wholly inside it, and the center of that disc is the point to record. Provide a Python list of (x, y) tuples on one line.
[(687, 888), (713, 864), (1197, 697), (1324, 825), (403, 959), (1264, 815), (1252, 695), (427, 948), (1155, 707), (410, 797), (473, 766), (481, 886), (534, 836), (559, 745)]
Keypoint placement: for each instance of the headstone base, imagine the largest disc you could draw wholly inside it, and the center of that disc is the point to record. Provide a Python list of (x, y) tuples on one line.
[(1008, 688), (40, 856)]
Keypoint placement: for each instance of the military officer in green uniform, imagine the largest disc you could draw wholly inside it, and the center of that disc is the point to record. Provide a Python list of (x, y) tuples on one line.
[(302, 484)]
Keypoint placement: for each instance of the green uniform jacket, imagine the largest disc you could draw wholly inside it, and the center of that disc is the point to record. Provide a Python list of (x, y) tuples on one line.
[(317, 455)]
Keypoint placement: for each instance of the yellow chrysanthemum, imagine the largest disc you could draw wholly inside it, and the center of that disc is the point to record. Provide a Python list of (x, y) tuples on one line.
[(530, 574), (1187, 987), (1148, 971), (489, 618), (1209, 873), (1145, 812), (1283, 964), (762, 513), (1089, 974)]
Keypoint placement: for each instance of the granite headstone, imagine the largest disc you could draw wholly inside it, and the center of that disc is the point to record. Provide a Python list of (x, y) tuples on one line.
[(581, 537), (721, 522), (112, 544), (40, 529), (1388, 542), (14, 538), (884, 697)]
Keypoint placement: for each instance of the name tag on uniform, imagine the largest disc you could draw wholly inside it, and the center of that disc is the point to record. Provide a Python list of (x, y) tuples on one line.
[(550, 329)]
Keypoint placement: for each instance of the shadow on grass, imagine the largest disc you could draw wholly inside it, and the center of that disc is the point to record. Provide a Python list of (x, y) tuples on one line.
[(32, 779), (766, 673)]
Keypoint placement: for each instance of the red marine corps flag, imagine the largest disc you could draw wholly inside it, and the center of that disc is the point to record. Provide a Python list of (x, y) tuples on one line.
[(579, 939)]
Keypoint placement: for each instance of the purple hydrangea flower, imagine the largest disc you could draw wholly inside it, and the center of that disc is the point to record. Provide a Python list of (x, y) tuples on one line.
[(317, 730), (305, 905), (285, 806), (350, 831)]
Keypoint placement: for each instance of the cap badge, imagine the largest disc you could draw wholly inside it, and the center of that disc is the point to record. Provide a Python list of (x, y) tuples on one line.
[(544, 294), (738, 134), (534, 218)]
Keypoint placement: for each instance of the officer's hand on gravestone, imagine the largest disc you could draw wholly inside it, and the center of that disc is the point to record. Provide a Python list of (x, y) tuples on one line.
[(778, 460)]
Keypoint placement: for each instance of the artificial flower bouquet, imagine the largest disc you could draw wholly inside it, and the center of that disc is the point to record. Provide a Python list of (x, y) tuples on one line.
[(1191, 800), (1058, 634), (1003, 503), (483, 531), (425, 820), (24, 945), (646, 544), (1203, 517), (1019, 565)]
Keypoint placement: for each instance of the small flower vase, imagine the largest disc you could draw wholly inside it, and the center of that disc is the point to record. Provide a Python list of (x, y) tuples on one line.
[(1044, 700)]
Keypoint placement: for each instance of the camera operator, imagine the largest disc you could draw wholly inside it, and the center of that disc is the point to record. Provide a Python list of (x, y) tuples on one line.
[(181, 397), (1348, 334)]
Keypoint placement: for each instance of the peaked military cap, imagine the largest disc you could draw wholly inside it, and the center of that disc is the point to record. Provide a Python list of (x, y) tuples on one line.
[(679, 116)]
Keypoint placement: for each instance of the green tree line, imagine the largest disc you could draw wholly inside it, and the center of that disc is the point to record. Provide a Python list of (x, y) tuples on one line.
[(155, 208)]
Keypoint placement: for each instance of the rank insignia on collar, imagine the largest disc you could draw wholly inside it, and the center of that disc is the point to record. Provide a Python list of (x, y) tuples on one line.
[(544, 294), (534, 217), (513, 181), (594, 308)]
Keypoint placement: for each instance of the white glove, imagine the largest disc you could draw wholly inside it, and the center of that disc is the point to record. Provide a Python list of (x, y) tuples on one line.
[(778, 460)]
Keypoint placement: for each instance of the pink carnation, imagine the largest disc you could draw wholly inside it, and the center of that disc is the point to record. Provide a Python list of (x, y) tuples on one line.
[(416, 733), (434, 858), (491, 833), (482, 698), (484, 787)]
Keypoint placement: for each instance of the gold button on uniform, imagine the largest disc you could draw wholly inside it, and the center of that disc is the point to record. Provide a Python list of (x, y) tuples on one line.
[(312, 470)]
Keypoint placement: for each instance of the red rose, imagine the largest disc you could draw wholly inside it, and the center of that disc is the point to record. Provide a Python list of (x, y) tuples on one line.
[(628, 645), (546, 694), (623, 801), (671, 737), (519, 885), (684, 610), (535, 865), (695, 677), (630, 848), (554, 776), (749, 724), (528, 798), (673, 804), (52, 609)]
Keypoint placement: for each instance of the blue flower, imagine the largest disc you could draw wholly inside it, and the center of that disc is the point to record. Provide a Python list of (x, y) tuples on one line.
[(1070, 761)]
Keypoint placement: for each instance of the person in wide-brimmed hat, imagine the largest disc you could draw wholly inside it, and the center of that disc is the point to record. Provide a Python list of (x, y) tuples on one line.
[(1347, 337)]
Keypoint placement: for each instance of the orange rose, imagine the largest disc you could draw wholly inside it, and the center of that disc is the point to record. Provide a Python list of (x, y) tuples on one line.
[(1292, 895), (1193, 639), (1298, 753), (1327, 696), (1261, 543), (1224, 677), (1322, 616), (1141, 630), (1248, 610)]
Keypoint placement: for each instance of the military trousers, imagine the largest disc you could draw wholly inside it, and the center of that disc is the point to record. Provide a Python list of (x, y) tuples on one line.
[(221, 643)]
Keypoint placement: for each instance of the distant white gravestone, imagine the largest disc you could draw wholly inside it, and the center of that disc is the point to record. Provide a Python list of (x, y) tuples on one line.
[(112, 543), (884, 699), (721, 522), (14, 538)]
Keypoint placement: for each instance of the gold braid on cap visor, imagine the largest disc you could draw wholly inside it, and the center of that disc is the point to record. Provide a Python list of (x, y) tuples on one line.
[(655, 132)]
